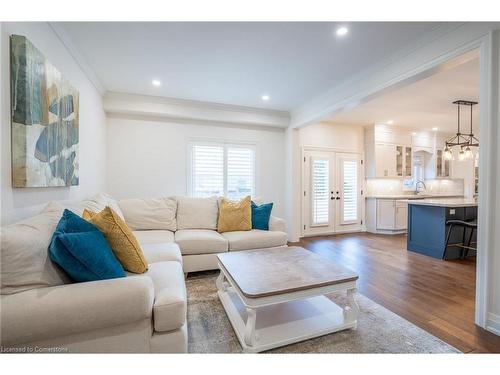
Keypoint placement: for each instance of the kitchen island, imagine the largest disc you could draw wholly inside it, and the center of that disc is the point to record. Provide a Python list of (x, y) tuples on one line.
[(427, 227)]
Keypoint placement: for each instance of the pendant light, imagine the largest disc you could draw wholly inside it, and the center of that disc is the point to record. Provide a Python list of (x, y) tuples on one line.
[(465, 141)]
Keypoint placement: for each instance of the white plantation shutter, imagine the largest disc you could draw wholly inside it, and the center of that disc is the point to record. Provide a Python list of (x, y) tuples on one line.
[(350, 189), (320, 188), (207, 170), (240, 172), (222, 170)]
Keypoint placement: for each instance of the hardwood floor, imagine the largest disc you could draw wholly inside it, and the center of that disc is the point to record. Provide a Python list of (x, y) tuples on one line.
[(435, 295)]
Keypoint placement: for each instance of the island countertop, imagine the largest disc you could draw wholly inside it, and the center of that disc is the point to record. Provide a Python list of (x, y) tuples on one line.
[(444, 202)]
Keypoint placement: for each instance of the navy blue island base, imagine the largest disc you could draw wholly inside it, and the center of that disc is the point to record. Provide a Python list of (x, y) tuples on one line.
[(427, 229)]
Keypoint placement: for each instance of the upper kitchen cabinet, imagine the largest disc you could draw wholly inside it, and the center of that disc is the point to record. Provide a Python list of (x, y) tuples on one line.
[(438, 167), (389, 153)]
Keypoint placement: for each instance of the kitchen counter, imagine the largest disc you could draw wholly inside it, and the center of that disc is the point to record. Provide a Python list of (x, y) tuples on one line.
[(410, 196), (444, 202)]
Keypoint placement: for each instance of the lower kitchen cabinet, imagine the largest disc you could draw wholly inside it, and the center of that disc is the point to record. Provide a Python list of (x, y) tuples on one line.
[(386, 215)]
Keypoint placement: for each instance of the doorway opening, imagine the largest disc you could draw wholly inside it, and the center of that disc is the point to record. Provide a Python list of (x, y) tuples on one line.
[(403, 148)]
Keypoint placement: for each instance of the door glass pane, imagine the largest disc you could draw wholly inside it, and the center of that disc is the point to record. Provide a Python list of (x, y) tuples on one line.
[(350, 178), (320, 191)]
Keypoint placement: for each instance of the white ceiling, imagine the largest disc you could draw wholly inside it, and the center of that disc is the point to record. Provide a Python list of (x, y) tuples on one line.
[(236, 63), (426, 103)]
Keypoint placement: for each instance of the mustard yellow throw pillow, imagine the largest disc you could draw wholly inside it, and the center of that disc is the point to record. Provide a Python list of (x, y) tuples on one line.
[(120, 238), (235, 216)]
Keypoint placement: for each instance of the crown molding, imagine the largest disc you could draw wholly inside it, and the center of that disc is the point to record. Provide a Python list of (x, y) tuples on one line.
[(75, 53), (154, 107)]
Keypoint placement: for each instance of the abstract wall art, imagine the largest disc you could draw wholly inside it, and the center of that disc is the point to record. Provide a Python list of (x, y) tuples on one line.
[(45, 120)]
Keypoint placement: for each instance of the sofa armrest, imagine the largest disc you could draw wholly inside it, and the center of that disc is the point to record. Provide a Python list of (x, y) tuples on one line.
[(51, 312), (275, 223)]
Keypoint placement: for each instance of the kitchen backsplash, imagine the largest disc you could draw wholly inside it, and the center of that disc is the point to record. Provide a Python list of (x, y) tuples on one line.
[(385, 186)]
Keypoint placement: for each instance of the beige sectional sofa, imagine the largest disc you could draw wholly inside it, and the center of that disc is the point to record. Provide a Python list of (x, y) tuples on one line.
[(191, 226), (139, 313)]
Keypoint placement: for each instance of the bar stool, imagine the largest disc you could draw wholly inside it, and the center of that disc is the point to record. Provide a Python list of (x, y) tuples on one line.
[(464, 248)]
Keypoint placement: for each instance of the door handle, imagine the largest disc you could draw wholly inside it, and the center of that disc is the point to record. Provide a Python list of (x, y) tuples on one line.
[(337, 198)]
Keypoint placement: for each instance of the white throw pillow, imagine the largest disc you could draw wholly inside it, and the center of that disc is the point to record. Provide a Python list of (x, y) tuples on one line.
[(148, 214), (197, 213), (25, 262)]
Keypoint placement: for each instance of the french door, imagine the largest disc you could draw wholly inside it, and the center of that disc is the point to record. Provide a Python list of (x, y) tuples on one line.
[(332, 193)]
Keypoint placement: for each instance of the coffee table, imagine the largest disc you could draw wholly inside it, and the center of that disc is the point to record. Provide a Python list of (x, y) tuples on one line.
[(275, 297)]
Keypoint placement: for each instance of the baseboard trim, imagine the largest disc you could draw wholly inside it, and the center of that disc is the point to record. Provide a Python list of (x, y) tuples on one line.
[(493, 323)]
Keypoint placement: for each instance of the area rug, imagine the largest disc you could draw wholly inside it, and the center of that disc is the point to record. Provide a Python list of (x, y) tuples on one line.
[(379, 330)]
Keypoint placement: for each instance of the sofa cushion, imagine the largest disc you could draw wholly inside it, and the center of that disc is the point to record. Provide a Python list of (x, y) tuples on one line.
[(96, 203), (144, 214), (234, 216), (197, 213), (121, 239), (200, 241), (162, 252), (153, 236), (81, 250), (24, 261), (255, 239), (170, 304)]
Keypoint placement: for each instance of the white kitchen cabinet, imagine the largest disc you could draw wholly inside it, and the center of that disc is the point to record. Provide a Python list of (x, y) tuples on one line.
[(392, 161), (385, 160), (386, 215), (389, 153), (439, 166), (401, 215), (386, 219)]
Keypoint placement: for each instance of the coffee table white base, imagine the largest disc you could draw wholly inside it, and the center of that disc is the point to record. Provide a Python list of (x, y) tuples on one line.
[(270, 322)]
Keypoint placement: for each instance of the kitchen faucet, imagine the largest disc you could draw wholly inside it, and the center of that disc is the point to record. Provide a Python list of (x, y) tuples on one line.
[(416, 186)]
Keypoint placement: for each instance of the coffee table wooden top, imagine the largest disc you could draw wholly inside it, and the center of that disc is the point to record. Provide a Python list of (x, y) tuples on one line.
[(267, 272)]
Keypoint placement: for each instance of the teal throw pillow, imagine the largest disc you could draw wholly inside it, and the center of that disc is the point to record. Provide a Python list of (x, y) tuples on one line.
[(81, 250), (261, 215)]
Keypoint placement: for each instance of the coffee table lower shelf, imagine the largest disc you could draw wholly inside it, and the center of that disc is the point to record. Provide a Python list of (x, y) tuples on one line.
[(284, 323)]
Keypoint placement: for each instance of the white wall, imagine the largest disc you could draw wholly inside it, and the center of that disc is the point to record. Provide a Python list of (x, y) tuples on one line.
[(337, 136), (21, 202), (148, 158)]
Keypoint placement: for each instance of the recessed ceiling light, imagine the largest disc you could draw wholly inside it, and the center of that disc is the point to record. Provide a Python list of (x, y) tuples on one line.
[(435, 129), (390, 122), (265, 97), (156, 83), (341, 31)]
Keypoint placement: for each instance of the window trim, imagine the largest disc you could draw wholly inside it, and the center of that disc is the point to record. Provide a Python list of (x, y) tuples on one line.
[(225, 144)]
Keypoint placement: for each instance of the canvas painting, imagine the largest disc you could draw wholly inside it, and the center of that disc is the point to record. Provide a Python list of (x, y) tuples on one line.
[(45, 122)]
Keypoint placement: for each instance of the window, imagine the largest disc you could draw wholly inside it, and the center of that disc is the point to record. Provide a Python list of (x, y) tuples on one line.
[(207, 170), (222, 169)]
